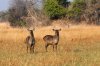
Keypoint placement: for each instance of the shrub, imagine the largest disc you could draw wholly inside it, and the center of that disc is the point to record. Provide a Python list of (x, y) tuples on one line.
[(53, 9), (76, 10)]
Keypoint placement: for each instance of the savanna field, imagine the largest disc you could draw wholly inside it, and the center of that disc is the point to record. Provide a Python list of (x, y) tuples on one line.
[(78, 46)]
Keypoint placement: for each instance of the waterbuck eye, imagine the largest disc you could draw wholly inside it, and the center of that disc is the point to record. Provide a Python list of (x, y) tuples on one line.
[(59, 29), (53, 29)]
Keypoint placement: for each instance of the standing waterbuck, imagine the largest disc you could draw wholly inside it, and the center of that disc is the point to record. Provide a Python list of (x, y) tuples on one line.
[(30, 41), (52, 39)]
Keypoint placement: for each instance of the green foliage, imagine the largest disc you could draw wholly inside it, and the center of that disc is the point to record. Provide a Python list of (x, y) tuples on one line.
[(16, 22), (74, 12), (16, 12), (64, 3), (93, 1), (4, 16), (61, 2), (15, 19), (77, 9), (53, 9), (79, 4)]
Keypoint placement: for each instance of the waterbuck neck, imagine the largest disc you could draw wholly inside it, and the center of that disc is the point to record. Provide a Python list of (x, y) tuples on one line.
[(57, 33), (31, 33)]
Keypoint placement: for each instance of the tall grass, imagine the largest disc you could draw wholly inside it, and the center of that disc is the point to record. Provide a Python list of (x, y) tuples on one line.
[(78, 46)]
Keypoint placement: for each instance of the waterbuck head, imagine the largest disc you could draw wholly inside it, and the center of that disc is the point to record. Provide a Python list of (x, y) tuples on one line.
[(31, 31), (56, 29)]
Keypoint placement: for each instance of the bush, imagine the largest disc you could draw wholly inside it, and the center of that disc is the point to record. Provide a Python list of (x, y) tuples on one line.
[(16, 22), (17, 10), (15, 19), (76, 10), (53, 9)]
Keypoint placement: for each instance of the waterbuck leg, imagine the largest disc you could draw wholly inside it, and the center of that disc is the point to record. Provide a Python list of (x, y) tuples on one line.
[(27, 49), (46, 46), (30, 49), (53, 47), (56, 47), (33, 49)]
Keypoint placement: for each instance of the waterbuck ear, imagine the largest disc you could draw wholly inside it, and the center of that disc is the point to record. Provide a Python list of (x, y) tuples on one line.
[(53, 29), (28, 29), (60, 29), (33, 29)]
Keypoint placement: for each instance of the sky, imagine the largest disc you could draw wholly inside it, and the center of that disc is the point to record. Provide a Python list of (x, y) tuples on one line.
[(4, 4)]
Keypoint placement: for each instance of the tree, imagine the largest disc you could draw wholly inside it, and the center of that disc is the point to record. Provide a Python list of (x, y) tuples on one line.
[(64, 3), (4, 16), (76, 10), (53, 9), (25, 13), (93, 11), (16, 11)]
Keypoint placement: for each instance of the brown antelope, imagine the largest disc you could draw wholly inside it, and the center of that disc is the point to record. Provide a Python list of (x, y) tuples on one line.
[(30, 41), (52, 39)]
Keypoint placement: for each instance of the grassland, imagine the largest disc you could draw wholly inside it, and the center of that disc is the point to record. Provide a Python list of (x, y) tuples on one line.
[(78, 46)]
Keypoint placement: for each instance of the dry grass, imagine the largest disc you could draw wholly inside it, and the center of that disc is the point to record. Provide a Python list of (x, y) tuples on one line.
[(78, 46)]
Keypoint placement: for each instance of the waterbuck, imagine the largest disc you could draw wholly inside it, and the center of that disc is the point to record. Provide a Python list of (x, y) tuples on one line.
[(30, 41), (52, 39)]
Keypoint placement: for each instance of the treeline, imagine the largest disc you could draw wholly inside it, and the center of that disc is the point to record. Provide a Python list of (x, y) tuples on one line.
[(78, 10), (39, 12)]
